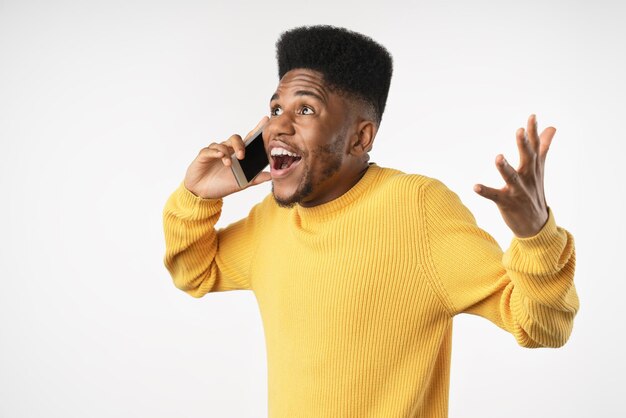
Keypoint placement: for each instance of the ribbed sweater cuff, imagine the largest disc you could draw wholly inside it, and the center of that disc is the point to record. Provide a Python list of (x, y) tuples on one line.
[(189, 206), (541, 265), (547, 237), (538, 254)]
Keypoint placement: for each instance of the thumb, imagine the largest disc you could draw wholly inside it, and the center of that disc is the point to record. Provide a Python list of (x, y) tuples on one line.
[(262, 177)]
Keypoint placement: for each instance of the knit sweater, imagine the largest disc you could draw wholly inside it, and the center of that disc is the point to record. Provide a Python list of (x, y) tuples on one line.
[(357, 295)]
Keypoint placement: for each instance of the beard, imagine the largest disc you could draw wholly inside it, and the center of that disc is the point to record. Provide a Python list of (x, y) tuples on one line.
[(332, 156), (304, 189)]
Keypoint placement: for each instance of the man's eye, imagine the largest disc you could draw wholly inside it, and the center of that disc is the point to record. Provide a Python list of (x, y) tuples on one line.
[(277, 111), (307, 110)]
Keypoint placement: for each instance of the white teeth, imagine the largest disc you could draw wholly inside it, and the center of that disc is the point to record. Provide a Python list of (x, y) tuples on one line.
[(282, 151)]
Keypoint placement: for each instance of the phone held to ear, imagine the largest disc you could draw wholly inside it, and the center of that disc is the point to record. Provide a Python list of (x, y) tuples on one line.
[(254, 161)]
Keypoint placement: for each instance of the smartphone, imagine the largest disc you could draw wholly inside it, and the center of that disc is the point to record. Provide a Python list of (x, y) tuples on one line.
[(254, 161)]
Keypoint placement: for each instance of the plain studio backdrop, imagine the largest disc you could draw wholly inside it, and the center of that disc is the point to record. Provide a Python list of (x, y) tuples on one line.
[(103, 105)]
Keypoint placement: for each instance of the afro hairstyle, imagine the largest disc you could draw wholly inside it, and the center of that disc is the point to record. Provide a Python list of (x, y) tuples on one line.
[(349, 62)]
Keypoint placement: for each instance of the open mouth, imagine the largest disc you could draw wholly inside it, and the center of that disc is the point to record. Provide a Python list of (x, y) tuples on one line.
[(283, 159)]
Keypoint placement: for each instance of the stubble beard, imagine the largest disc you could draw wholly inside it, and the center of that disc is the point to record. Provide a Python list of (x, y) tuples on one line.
[(332, 155)]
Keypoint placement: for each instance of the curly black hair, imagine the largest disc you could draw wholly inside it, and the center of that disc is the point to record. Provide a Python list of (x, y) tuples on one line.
[(349, 62)]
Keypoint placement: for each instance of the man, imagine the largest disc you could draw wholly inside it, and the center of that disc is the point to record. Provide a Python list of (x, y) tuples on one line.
[(358, 270)]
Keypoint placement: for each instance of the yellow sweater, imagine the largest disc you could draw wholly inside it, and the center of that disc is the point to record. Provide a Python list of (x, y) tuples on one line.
[(357, 295)]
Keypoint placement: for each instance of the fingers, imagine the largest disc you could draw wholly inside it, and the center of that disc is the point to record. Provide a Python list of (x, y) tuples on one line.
[(526, 183), (531, 144), (234, 145), (222, 151), (508, 173), (488, 192), (239, 145), (545, 141), (526, 153), (539, 143), (258, 126), (510, 176), (211, 152), (262, 177), (531, 129)]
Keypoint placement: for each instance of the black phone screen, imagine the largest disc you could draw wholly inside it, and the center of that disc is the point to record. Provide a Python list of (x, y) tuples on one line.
[(256, 158)]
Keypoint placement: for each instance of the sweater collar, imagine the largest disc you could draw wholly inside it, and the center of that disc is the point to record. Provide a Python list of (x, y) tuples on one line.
[(326, 210)]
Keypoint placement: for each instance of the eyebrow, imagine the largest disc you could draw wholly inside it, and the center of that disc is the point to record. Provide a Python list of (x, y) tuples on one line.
[(275, 96)]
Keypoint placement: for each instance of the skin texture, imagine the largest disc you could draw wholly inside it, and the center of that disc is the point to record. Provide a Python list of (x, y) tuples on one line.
[(522, 201), (209, 176), (330, 131), (333, 134)]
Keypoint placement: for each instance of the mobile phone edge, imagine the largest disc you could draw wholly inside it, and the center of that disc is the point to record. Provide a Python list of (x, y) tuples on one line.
[(235, 167)]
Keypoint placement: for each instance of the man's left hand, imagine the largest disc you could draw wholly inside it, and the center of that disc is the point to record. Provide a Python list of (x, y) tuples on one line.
[(522, 201)]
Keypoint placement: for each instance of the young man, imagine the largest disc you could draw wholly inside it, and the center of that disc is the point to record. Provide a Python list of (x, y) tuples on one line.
[(358, 270)]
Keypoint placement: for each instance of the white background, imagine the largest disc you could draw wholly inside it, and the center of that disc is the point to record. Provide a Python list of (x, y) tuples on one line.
[(103, 105)]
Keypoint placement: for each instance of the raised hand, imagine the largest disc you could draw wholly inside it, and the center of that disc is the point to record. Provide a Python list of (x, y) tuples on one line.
[(209, 176), (522, 201)]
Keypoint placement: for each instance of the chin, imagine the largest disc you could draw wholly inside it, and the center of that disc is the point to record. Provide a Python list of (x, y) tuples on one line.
[(286, 199), (284, 203)]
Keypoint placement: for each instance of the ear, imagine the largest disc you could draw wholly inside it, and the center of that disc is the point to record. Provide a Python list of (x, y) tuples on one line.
[(363, 139)]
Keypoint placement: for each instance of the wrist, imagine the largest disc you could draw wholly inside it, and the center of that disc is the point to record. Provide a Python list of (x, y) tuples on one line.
[(539, 230), (531, 230)]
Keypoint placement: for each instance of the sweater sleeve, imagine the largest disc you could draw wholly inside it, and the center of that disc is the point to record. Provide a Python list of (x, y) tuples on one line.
[(200, 258), (528, 291)]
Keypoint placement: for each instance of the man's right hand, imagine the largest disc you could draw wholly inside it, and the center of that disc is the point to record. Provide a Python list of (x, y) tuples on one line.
[(209, 176)]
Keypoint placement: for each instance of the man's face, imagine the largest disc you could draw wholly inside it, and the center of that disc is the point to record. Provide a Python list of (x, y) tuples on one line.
[(306, 139)]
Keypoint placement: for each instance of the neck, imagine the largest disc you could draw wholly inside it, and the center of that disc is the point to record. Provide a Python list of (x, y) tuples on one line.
[(345, 182)]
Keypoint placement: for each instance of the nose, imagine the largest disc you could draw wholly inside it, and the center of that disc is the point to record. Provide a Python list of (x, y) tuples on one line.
[(281, 125)]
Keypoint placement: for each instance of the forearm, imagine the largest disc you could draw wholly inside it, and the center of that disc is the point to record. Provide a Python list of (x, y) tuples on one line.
[(528, 291), (191, 241), (540, 306)]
